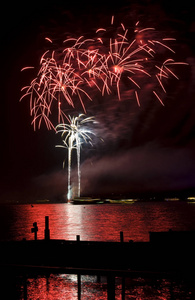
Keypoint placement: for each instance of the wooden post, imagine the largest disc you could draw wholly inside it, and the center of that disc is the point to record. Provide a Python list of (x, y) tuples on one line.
[(110, 287), (47, 231), (121, 237), (25, 287), (123, 288), (79, 286), (35, 229)]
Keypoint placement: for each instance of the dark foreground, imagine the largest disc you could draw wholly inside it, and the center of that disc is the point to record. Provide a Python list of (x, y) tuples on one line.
[(167, 253)]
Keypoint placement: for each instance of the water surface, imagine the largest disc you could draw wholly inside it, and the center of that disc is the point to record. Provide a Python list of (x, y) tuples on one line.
[(96, 222), (100, 223)]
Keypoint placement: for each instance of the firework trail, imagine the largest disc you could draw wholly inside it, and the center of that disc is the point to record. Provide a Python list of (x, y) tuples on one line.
[(73, 136), (113, 61)]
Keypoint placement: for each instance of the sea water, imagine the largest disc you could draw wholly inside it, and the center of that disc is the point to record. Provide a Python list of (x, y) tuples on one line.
[(101, 222)]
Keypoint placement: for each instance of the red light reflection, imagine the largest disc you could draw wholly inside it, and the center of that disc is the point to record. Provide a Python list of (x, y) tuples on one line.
[(64, 287)]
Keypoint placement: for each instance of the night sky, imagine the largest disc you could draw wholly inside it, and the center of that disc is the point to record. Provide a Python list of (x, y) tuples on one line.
[(146, 150)]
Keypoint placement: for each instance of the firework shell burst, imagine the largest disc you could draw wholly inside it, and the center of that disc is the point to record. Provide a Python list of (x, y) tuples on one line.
[(73, 135), (114, 61)]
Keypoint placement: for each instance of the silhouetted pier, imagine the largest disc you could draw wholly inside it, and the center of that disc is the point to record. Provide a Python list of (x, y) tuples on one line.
[(166, 253)]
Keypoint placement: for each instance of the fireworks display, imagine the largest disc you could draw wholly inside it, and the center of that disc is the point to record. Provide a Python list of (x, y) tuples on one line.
[(73, 136), (117, 60)]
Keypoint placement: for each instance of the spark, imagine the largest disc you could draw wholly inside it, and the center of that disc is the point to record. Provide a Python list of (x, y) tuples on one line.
[(112, 20), (26, 68), (137, 98), (157, 96), (48, 39), (100, 29)]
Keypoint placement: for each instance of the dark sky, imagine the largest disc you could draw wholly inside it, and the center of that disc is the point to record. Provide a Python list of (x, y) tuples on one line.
[(146, 149)]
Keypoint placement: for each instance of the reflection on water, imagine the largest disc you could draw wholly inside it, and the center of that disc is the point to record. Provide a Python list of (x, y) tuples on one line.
[(64, 287), (100, 223), (95, 222)]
